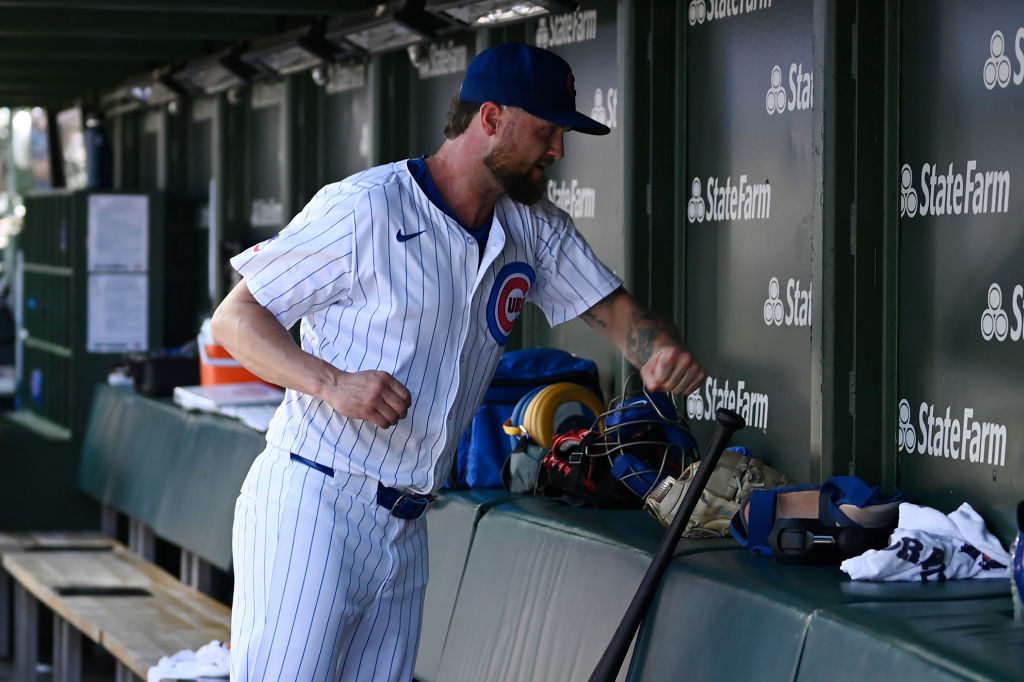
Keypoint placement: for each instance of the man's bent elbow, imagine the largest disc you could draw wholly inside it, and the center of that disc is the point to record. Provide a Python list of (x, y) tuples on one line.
[(226, 316), (219, 324)]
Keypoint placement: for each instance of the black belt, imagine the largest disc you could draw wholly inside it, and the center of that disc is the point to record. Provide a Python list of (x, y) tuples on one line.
[(401, 504)]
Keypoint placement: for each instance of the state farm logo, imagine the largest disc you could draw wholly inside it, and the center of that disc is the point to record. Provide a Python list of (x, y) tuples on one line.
[(794, 312), (266, 213), (344, 77), (995, 323), (801, 90), (750, 405), (577, 201), (906, 437), (606, 104), (700, 11), (908, 195), (695, 206), (953, 435), (951, 191), (696, 12), (443, 60), (729, 201), (565, 29), (997, 68)]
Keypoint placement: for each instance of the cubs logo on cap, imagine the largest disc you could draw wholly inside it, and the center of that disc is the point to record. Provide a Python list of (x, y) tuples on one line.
[(508, 294)]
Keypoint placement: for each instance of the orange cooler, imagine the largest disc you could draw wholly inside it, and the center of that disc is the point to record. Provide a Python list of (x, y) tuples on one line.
[(216, 366)]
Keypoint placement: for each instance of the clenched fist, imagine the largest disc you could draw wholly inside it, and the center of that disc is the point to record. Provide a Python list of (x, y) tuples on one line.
[(674, 369)]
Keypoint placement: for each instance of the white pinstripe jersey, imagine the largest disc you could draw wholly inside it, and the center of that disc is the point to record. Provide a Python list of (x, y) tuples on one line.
[(382, 279)]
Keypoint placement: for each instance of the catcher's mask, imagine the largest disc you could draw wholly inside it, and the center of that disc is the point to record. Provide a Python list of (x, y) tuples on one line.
[(629, 450)]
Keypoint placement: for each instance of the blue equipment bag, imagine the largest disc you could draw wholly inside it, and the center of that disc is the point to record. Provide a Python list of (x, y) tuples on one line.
[(485, 446)]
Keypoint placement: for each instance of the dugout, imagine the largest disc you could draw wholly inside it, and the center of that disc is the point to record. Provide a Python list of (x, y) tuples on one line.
[(819, 194)]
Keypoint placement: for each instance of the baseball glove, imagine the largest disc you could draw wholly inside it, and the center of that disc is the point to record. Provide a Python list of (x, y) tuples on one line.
[(731, 483)]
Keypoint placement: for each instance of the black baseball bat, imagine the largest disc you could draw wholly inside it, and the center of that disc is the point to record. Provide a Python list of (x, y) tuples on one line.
[(726, 423)]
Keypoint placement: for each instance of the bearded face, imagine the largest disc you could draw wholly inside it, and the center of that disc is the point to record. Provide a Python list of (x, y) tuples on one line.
[(526, 146), (525, 186)]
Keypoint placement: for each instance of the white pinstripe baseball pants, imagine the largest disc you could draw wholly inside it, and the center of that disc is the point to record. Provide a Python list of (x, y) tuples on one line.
[(328, 585)]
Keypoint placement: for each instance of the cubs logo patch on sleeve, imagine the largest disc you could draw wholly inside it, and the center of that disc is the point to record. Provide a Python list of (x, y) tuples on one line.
[(508, 294)]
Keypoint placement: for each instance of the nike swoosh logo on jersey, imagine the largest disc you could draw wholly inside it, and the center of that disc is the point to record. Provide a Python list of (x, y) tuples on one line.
[(406, 237)]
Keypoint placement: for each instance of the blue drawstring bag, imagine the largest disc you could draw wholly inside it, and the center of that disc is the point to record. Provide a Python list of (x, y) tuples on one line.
[(485, 446)]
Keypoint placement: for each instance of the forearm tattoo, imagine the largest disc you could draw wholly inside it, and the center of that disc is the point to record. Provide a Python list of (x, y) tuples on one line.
[(593, 320), (590, 316), (645, 328)]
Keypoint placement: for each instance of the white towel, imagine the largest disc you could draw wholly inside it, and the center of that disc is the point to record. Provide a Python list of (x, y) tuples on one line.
[(209, 661), (930, 546)]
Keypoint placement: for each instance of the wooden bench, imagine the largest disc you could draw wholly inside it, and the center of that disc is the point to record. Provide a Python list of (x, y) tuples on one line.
[(173, 476), (29, 541), (135, 610)]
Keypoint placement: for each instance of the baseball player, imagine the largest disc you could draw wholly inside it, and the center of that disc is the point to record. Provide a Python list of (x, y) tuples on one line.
[(406, 280)]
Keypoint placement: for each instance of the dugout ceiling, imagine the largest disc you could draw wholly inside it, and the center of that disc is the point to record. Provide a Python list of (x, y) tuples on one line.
[(53, 53)]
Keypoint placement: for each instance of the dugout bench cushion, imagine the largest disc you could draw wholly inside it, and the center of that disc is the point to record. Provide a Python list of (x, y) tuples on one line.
[(176, 471), (785, 615), (543, 590), (451, 526), (197, 497), (123, 450), (931, 640), (633, 529)]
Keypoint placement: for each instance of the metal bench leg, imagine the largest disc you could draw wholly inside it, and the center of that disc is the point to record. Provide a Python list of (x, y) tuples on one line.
[(108, 520), (141, 539), (67, 651), (5, 614), (196, 572), (124, 674), (26, 629)]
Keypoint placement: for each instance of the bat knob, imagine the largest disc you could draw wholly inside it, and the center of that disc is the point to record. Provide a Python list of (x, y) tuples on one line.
[(729, 419)]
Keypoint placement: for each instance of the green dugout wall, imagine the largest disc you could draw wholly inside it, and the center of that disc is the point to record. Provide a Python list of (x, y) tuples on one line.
[(752, 176), (959, 433), (590, 182), (752, 189), (861, 280)]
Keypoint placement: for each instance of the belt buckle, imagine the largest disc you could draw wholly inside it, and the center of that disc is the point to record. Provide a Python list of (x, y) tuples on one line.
[(410, 507)]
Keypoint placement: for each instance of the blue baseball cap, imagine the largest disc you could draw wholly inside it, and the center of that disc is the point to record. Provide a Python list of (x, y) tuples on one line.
[(535, 80)]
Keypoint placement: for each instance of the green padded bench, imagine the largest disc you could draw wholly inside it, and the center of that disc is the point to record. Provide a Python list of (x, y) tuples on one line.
[(177, 472), (802, 622), (544, 588), (197, 498), (124, 454), (939, 641), (451, 527)]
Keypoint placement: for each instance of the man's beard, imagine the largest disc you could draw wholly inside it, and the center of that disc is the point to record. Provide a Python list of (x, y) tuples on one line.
[(518, 186)]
